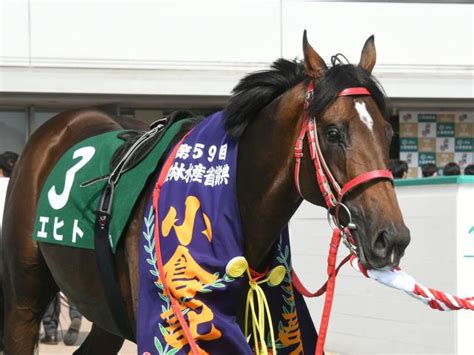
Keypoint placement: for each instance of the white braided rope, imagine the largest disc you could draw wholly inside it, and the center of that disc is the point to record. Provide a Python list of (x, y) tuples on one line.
[(402, 281)]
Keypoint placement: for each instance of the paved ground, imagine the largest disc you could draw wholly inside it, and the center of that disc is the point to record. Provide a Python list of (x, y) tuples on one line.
[(128, 348), (61, 349)]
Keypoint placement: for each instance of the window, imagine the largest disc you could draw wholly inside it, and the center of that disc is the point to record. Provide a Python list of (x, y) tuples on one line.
[(13, 130)]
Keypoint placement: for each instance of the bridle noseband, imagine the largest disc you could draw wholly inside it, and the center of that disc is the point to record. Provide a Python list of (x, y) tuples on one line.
[(332, 192)]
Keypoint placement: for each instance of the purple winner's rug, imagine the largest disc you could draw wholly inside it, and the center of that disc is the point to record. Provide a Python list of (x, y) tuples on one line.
[(199, 233)]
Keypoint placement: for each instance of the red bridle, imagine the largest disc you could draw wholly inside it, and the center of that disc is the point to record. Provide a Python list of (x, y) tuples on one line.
[(333, 195)]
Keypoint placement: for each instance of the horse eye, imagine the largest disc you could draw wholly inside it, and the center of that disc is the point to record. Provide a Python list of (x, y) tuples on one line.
[(333, 135)]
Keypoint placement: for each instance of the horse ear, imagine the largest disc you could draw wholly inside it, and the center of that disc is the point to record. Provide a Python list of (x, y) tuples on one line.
[(368, 56), (313, 63)]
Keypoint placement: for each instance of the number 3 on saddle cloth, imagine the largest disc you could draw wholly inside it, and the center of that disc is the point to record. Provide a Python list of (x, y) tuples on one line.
[(199, 233)]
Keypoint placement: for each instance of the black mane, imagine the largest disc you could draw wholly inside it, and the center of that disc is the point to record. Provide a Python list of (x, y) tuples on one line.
[(257, 90)]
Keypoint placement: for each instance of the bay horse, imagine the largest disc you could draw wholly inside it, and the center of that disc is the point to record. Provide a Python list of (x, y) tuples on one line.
[(266, 113)]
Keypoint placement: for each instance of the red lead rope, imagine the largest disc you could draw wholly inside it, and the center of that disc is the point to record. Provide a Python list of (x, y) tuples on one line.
[(328, 287), (331, 285), (304, 291)]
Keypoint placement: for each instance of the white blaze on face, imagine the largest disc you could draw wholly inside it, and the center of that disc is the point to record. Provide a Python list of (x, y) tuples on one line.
[(364, 114)]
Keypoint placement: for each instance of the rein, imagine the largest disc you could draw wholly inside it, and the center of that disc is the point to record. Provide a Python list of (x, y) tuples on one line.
[(333, 195)]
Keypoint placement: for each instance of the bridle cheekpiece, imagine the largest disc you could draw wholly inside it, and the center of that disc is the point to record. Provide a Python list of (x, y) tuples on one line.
[(332, 192)]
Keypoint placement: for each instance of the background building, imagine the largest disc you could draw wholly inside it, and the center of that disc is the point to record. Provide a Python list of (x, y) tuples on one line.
[(144, 58)]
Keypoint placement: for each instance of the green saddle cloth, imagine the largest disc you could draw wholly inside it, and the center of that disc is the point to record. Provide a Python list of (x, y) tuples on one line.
[(66, 212)]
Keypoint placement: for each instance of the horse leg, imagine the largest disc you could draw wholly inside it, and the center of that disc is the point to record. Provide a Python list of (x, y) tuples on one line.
[(28, 289), (99, 341)]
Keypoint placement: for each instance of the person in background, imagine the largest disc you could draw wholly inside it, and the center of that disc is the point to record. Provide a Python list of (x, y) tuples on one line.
[(51, 322), (451, 169), (399, 168), (7, 163), (429, 170), (469, 169)]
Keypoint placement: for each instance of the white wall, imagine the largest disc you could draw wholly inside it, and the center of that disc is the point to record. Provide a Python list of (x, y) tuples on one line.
[(14, 33), (465, 265), (369, 318), (153, 33), (423, 50), (138, 47), (203, 48)]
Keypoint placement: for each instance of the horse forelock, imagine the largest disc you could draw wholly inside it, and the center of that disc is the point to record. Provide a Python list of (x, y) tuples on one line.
[(257, 90), (340, 77)]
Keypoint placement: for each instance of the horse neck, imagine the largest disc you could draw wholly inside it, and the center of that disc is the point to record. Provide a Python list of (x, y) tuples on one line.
[(265, 183)]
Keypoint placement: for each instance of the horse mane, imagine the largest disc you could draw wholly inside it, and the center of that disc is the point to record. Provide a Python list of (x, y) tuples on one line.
[(257, 90)]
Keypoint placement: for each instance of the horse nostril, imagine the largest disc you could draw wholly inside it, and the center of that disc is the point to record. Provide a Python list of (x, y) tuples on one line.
[(389, 247), (382, 245), (404, 239)]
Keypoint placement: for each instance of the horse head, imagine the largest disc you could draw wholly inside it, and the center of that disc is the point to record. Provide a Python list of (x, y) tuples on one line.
[(354, 138), (269, 112)]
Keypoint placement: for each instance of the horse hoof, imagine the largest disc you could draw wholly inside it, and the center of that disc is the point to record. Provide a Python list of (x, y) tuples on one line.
[(72, 333), (49, 339)]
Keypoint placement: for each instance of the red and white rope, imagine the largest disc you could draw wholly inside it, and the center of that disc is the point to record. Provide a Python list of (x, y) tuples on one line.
[(402, 281)]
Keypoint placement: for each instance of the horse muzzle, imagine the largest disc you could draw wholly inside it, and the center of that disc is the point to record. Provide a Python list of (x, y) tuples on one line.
[(385, 250)]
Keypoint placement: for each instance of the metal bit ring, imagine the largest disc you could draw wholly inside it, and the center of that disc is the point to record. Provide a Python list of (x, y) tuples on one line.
[(333, 220)]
